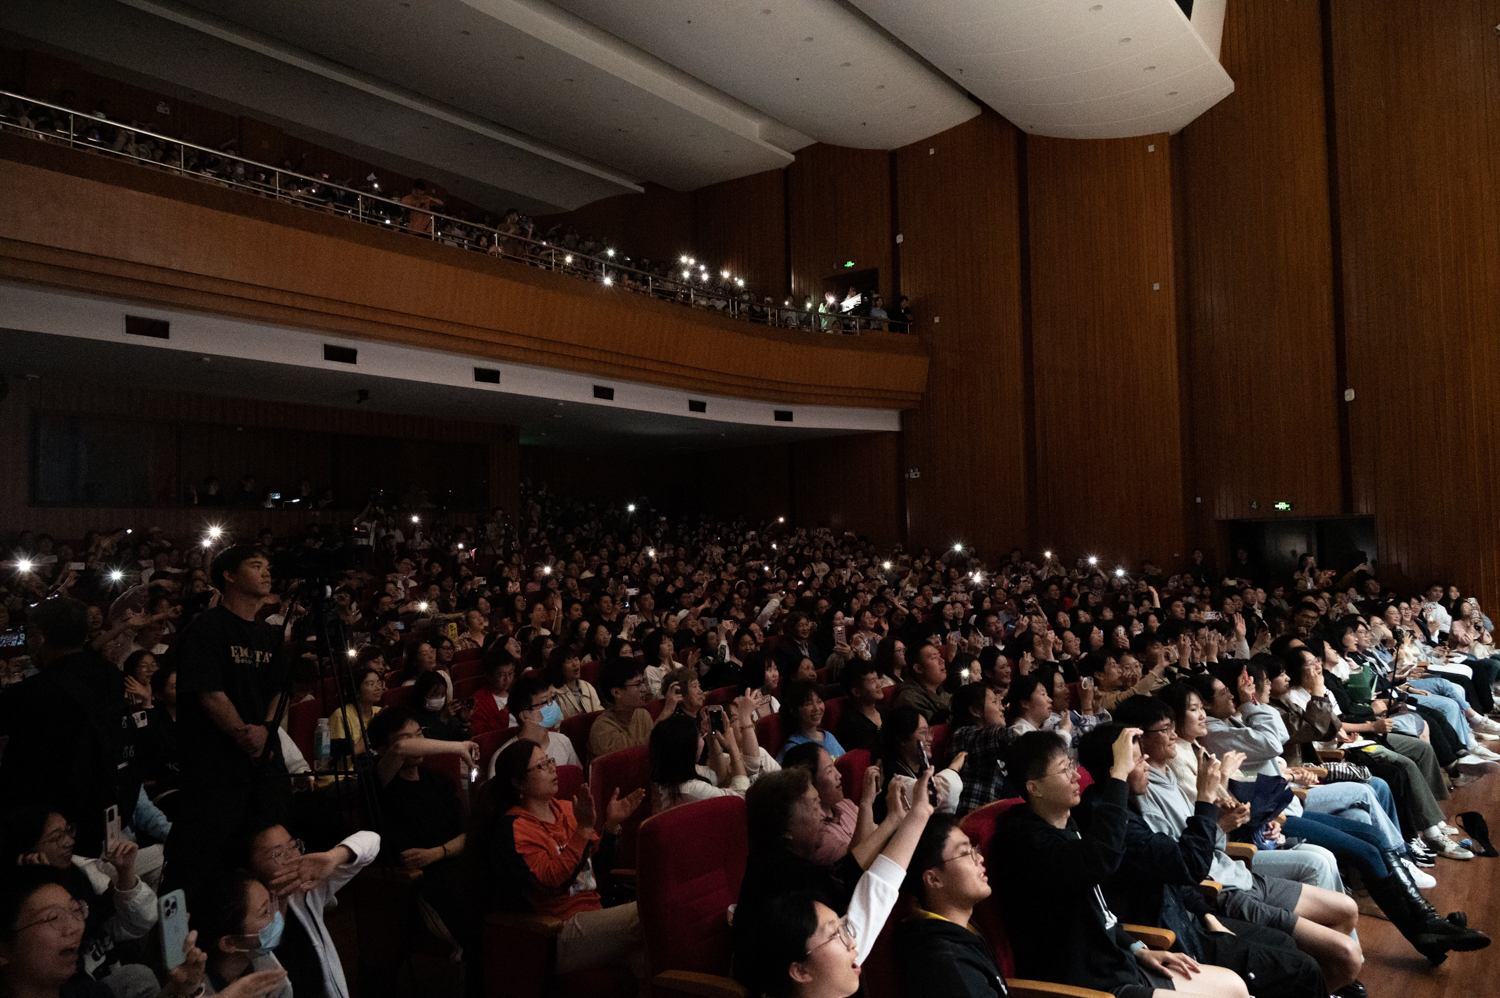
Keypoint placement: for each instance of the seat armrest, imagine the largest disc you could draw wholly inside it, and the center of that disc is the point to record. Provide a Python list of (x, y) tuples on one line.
[(670, 983), (520, 954), (1211, 889), (1300, 793), (1331, 754), (1153, 937), (1042, 989), (1242, 851), (534, 924)]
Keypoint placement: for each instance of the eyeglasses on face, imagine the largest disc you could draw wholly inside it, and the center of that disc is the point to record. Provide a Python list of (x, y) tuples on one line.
[(546, 764), (291, 850), (844, 932), (967, 852), (68, 831), (59, 915)]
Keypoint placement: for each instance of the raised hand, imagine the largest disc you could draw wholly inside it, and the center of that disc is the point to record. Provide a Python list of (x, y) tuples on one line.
[(1210, 775), (618, 808), (583, 807)]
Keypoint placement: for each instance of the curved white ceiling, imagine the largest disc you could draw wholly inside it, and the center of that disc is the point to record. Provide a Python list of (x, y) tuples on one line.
[(813, 64), (1081, 69)]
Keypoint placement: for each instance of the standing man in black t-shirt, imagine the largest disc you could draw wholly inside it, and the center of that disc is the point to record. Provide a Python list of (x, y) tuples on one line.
[(230, 680)]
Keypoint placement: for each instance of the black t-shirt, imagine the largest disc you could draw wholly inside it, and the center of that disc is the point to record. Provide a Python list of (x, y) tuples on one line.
[(299, 958), (418, 814), (221, 652)]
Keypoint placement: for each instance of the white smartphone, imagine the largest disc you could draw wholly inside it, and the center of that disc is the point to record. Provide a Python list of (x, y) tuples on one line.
[(111, 826)]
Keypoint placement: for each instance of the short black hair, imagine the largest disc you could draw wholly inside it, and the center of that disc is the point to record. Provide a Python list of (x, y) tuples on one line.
[(229, 561), (616, 675), (1096, 750), (928, 854), (1033, 754), (62, 620), (1142, 712), (768, 807), (385, 726)]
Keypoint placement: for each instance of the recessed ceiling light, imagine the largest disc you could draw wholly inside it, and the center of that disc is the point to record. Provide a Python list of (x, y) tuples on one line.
[(880, 86), (1097, 6), (1171, 93), (847, 64), (1124, 41), (911, 107), (766, 10), (520, 58), (1149, 69), (463, 32), (808, 38)]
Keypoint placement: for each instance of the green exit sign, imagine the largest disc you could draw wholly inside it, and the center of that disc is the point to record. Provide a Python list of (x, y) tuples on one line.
[(1284, 506)]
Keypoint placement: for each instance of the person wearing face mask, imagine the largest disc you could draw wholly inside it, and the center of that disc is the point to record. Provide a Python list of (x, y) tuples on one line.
[(539, 717), (431, 706), (301, 887), (239, 925)]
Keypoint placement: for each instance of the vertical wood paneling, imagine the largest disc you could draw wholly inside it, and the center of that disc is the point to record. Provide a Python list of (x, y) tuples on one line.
[(1104, 342), (839, 209), (1259, 277), (656, 224), (847, 484), (1417, 108), (958, 211), (741, 225)]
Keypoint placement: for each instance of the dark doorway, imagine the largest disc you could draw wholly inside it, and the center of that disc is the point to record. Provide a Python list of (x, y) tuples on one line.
[(1338, 542), (866, 282)]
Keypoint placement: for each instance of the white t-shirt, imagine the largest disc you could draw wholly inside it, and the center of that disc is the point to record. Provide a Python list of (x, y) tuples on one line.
[(559, 749)]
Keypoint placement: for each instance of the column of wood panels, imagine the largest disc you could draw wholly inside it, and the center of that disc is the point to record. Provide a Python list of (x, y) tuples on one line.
[(838, 209), (741, 225), (1417, 108), (959, 218), (1105, 348)]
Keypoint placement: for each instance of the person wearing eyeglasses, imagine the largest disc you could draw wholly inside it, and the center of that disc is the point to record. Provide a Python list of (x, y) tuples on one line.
[(237, 922), (302, 885), (34, 835), (538, 853), (537, 709), (937, 950), (626, 722)]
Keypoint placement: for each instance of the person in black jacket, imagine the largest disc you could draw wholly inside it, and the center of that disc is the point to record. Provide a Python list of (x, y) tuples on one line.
[(937, 951), (1060, 927), (1157, 884)]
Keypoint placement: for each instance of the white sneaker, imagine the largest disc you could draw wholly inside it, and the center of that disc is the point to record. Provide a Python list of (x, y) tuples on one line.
[(1419, 876), (1484, 725), (1449, 849), (1478, 754), (1448, 829)]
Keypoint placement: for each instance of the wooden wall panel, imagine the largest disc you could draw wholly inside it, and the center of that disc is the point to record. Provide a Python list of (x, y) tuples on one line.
[(229, 437), (848, 484), (1417, 107), (92, 224), (1104, 342), (657, 224), (741, 225), (839, 209), (1261, 376), (959, 216)]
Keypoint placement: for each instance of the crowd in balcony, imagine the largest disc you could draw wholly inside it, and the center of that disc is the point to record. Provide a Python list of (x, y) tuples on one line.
[(931, 769), (418, 211)]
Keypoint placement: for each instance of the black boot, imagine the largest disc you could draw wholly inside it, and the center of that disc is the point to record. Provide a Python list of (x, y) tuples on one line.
[(1418, 901), (1430, 934)]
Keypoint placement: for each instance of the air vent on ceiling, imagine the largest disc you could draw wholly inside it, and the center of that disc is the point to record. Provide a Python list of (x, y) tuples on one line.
[(487, 375), (783, 415), (607, 394), (340, 355), (157, 329), (695, 406)]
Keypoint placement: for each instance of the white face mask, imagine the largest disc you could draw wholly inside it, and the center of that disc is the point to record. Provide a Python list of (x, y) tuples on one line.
[(435, 703)]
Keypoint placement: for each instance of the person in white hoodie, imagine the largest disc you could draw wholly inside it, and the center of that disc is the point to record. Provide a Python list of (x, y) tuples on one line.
[(303, 886)]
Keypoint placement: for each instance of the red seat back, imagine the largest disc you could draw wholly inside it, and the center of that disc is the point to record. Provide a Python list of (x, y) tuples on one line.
[(889, 693), (654, 708), (569, 781), (302, 724), (1084, 779), (768, 732), (465, 670), (690, 864), (722, 695), (577, 729), (851, 766), (879, 976), (589, 673), (940, 744), (833, 712), (627, 770), (979, 826), (489, 743), (396, 695), (465, 688), (466, 655)]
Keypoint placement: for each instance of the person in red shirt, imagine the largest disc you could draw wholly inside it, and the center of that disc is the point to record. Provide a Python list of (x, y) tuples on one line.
[(537, 853)]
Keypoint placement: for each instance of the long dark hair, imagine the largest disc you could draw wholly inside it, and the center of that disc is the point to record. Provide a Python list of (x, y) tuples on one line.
[(674, 754), (775, 936), (900, 724)]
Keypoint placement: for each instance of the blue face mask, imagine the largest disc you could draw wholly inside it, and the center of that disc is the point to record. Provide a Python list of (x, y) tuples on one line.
[(270, 936), (551, 715)]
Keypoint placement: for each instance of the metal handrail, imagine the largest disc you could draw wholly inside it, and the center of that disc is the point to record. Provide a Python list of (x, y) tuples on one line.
[(695, 288)]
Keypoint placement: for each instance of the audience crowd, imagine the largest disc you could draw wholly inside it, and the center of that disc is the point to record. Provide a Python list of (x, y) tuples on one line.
[(513, 236), (1250, 762)]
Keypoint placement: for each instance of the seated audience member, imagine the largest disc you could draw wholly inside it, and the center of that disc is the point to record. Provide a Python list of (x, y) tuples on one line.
[(1029, 705), (537, 720), (677, 745), (238, 925), (491, 702), (302, 887), (906, 750), (923, 691), (938, 951), (421, 657), (370, 657), (762, 677), (574, 694), (979, 732), (625, 722), (1320, 920), (660, 649), (1117, 664), (802, 719), (433, 709), (797, 644), (122, 905), (352, 720), (864, 708), (843, 820), (1060, 929), (476, 633), (890, 662), (422, 823), (784, 895), (1157, 883), (690, 689), (535, 852)]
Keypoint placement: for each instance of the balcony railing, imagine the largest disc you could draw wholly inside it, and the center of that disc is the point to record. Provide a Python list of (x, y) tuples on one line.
[(690, 283)]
